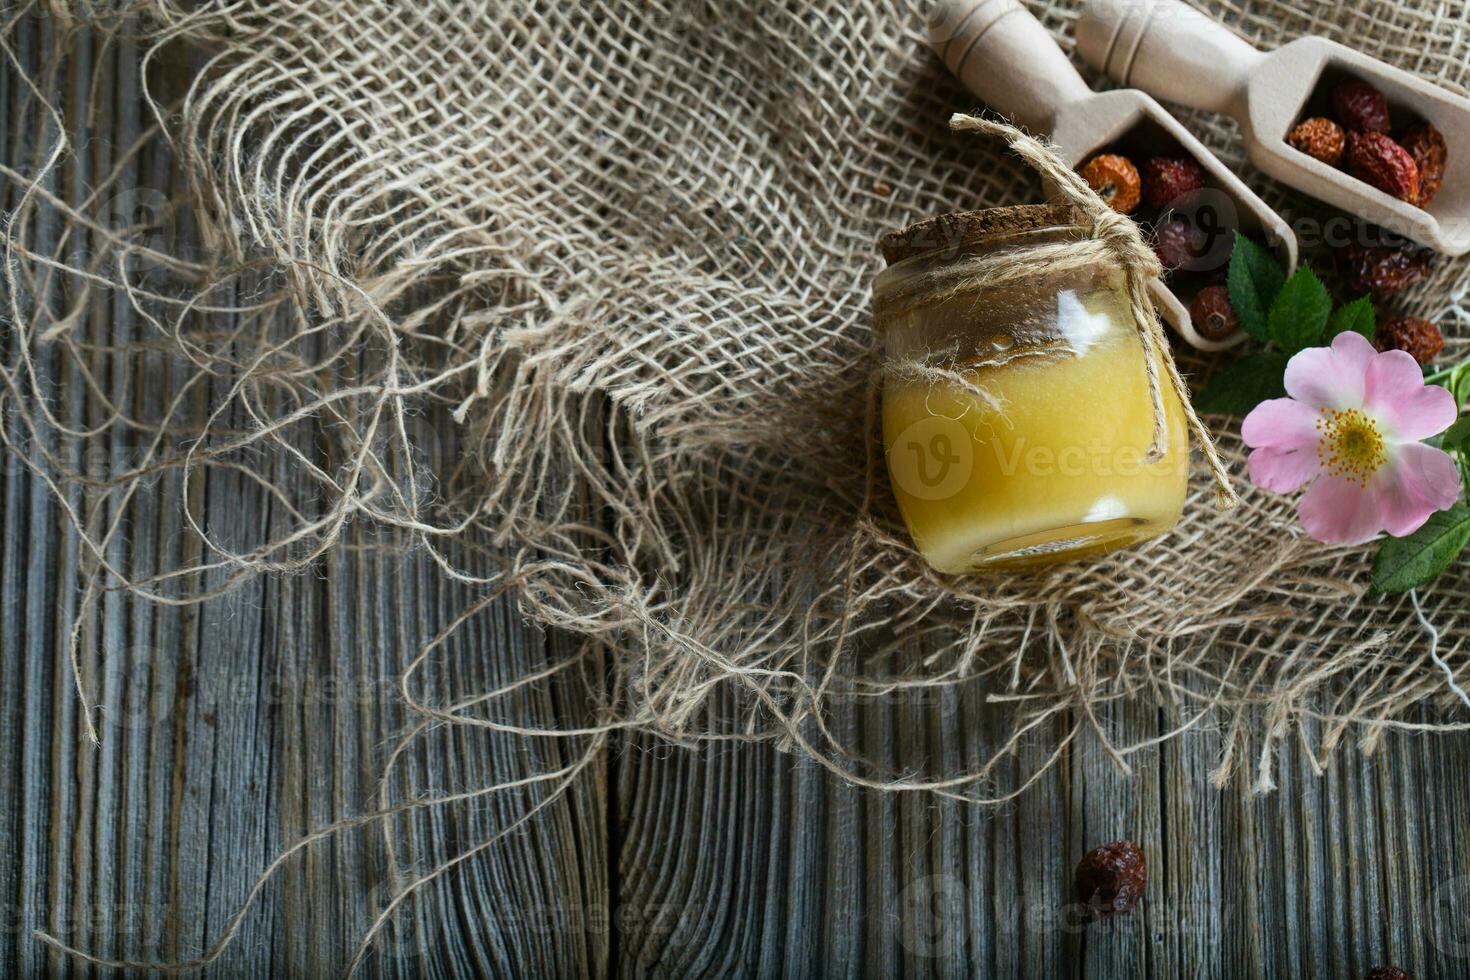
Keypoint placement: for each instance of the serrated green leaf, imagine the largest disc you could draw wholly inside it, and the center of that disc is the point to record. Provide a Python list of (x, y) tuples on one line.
[(1415, 561), (1356, 316), (1298, 317), (1255, 279), (1457, 437), (1244, 385)]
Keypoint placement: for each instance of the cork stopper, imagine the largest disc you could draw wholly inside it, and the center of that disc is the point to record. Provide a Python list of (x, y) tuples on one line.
[(962, 227)]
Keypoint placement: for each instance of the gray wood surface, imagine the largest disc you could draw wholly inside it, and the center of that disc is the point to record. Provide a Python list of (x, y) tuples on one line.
[(231, 729)]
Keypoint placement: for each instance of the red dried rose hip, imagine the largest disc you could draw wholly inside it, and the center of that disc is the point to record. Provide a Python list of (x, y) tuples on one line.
[(1179, 243), (1212, 315), (1418, 338), (1361, 107), (1115, 179), (1168, 179), (1111, 878), (1377, 160), (1382, 270), (1387, 973), (1427, 146), (1321, 139)]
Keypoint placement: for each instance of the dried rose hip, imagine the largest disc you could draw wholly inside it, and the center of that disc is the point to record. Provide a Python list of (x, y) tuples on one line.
[(1115, 179), (1111, 878), (1377, 160), (1361, 107), (1387, 973), (1382, 270), (1414, 336), (1212, 315), (1179, 243), (1167, 179), (1321, 139), (1426, 145)]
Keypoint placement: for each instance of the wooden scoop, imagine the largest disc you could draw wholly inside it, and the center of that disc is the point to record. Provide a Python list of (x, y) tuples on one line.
[(1179, 54), (1006, 57)]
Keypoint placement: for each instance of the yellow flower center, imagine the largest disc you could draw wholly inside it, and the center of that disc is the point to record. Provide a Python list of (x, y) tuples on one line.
[(1351, 445)]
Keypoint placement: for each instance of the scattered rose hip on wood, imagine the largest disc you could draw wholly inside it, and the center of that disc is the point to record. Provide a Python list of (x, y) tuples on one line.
[(1418, 338), (1322, 139), (1382, 270), (1116, 181), (1111, 878), (1361, 107), (1377, 160), (1167, 179), (1212, 315), (1427, 146), (1387, 973)]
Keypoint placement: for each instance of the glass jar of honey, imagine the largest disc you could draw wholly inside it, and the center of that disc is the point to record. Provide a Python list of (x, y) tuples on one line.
[(1017, 417)]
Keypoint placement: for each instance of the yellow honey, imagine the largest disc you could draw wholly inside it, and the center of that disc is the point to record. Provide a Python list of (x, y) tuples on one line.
[(1016, 422)]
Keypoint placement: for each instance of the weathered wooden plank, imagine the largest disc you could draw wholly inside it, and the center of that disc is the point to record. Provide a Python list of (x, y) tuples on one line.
[(1031, 854), (1109, 805), (230, 729), (1198, 889), (1429, 856)]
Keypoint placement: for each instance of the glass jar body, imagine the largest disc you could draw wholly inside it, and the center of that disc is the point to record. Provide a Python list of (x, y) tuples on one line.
[(1017, 418)]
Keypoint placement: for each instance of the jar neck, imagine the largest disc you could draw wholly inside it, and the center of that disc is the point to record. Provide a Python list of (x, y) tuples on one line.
[(980, 264)]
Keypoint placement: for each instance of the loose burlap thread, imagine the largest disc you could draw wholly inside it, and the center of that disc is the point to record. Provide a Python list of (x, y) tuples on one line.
[(640, 289)]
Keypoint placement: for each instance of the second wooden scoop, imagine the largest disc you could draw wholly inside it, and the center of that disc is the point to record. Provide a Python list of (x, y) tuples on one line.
[(1008, 58), (1179, 54)]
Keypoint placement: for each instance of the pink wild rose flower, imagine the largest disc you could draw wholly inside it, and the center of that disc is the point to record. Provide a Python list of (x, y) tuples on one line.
[(1352, 429)]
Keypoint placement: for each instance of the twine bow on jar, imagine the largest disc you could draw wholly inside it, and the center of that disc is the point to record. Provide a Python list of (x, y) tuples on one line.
[(1115, 239)]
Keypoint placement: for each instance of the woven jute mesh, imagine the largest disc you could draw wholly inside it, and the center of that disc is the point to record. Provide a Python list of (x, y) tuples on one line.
[(628, 247)]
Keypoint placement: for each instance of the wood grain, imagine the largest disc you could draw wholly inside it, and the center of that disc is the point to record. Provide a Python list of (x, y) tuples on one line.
[(232, 728)]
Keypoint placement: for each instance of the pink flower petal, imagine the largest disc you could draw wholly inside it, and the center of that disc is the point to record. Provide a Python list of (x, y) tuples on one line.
[(1395, 393), (1340, 511), (1331, 377), (1281, 423), (1419, 481), (1283, 470)]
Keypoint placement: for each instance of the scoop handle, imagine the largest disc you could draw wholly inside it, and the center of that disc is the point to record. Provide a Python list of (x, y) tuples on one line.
[(1169, 50), (1006, 57)]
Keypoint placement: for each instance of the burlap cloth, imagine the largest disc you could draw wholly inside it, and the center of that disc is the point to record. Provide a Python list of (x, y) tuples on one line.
[(629, 247)]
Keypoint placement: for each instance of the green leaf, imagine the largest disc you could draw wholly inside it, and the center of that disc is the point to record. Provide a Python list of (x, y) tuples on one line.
[(1409, 563), (1244, 385), (1298, 318), (1459, 386), (1457, 438), (1356, 316), (1255, 279)]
